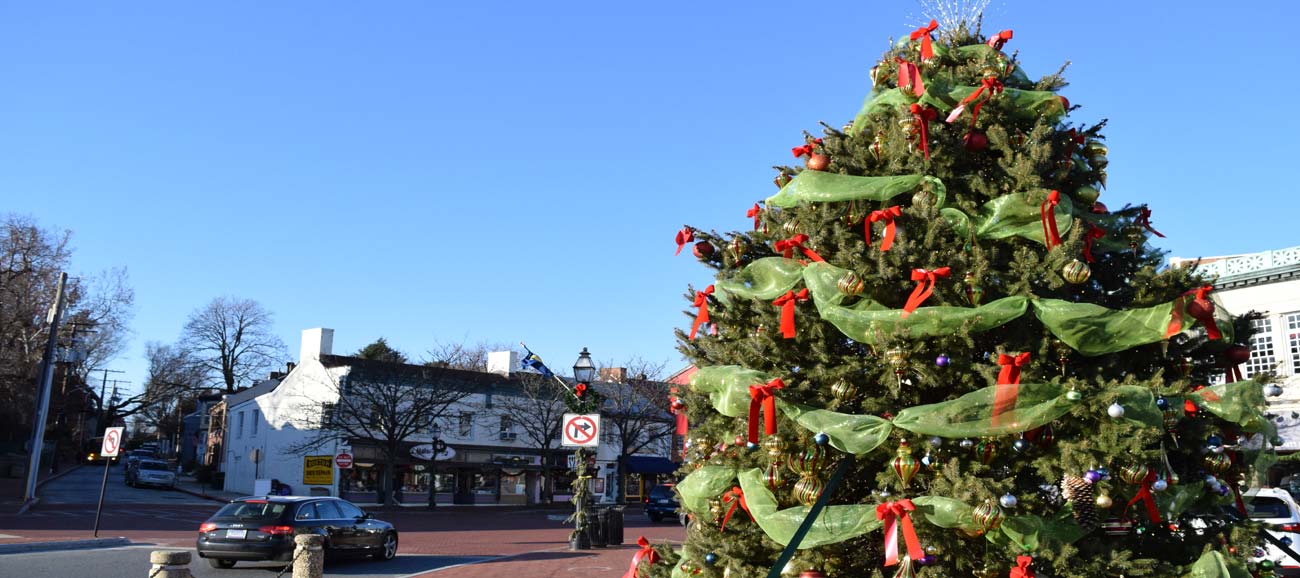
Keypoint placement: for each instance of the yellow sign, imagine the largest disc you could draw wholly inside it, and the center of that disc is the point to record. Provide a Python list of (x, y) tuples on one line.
[(318, 470)]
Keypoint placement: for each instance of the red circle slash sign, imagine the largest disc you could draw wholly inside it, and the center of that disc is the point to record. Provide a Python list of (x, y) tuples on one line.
[(580, 430)]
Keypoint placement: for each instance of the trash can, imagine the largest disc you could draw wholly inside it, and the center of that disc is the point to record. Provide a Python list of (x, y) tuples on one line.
[(614, 526), (596, 527)]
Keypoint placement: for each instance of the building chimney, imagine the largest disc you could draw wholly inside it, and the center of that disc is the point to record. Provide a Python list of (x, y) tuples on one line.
[(613, 374), (502, 362), (315, 343)]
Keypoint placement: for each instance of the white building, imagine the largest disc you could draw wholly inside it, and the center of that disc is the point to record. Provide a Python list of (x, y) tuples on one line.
[(487, 461), (1268, 283)]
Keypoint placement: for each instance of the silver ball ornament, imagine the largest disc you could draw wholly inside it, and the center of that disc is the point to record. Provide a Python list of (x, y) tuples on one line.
[(1272, 390), (1159, 485), (1008, 501), (1073, 395), (1115, 410), (966, 444)]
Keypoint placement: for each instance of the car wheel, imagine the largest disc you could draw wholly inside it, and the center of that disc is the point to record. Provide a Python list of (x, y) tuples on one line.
[(656, 518), (222, 564), (389, 549)]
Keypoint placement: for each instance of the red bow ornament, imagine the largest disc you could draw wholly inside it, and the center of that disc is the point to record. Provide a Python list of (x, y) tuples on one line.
[(1093, 235), (1008, 389), (735, 497), (1144, 219), (786, 303), (786, 247), (1051, 236), (646, 553), (886, 216), (701, 301), (763, 398), (927, 46), (894, 515), (1147, 498), (997, 40), (807, 149), (924, 287), (756, 213), (989, 87), (579, 389), (1201, 309), (924, 115), (1022, 568), (677, 407), (684, 236), (909, 77)]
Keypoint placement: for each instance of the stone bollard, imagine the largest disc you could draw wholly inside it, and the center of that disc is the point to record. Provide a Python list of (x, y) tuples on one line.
[(169, 564), (309, 556)]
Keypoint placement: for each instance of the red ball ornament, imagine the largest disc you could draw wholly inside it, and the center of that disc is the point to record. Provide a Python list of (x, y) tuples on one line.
[(975, 141), (1201, 308), (1099, 208), (811, 574), (818, 162), (703, 249), (1237, 354)]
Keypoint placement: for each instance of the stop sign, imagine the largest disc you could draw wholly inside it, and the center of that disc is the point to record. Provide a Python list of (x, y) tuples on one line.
[(344, 461)]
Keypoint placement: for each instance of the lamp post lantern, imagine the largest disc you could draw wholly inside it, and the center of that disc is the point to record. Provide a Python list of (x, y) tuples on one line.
[(438, 446), (584, 371)]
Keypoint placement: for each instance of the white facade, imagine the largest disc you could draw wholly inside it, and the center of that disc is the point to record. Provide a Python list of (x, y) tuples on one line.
[(1268, 283)]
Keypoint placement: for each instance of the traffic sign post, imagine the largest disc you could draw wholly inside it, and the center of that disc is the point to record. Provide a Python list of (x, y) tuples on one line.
[(112, 445), (343, 461), (580, 430)]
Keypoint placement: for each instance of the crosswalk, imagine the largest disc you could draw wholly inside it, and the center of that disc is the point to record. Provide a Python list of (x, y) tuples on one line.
[(191, 514)]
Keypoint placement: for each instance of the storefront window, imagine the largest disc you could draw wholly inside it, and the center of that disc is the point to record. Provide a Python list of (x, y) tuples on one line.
[(485, 483)]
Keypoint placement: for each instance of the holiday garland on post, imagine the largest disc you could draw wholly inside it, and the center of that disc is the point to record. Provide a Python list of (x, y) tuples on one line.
[(1082, 440)]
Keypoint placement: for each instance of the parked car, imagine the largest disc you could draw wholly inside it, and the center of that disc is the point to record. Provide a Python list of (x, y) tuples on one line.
[(661, 502), (1276, 509), (151, 473), (262, 528)]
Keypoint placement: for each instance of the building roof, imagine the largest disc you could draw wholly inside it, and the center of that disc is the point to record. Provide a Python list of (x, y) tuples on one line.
[(261, 387), (1247, 269), (473, 381)]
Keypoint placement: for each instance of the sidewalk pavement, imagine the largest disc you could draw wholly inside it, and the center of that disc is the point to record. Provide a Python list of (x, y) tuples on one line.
[(191, 486), (11, 489)]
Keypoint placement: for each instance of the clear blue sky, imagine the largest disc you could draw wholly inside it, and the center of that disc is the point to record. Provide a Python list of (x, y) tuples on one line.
[(516, 170)]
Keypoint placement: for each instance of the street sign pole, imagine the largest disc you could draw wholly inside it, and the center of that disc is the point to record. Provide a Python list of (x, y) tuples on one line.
[(112, 445), (43, 392), (102, 486)]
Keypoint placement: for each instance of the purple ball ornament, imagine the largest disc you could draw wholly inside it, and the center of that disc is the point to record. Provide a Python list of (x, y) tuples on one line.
[(942, 361), (1093, 476), (927, 560)]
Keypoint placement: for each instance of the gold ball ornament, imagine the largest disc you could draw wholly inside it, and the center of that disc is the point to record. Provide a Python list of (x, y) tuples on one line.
[(782, 180), (1219, 463), (988, 515), (1087, 195), (878, 146), (973, 291), (792, 227), (1103, 501), (807, 489), (1134, 473), (775, 446), (774, 476), (844, 390), (1076, 272), (851, 284), (904, 465)]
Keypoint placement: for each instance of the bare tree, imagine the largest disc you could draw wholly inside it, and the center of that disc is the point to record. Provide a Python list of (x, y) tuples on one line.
[(470, 357), (232, 340), (536, 409), (638, 410), (174, 382), (385, 404)]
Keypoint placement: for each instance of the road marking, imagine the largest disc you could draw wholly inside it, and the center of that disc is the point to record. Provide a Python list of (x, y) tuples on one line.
[(3, 536), (441, 568)]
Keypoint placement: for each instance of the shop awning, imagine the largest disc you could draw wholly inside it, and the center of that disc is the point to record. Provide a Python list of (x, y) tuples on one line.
[(650, 465)]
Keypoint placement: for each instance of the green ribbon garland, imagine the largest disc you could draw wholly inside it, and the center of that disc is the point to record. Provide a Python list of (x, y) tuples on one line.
[(824, 187)]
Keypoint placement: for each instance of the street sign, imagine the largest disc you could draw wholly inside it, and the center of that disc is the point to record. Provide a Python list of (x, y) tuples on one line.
[(112, 442), (580, 430), (343, 461), (432, 452), (316, 471)]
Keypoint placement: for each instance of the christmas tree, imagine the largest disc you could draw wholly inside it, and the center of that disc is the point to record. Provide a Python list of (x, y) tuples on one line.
[(938, 353)]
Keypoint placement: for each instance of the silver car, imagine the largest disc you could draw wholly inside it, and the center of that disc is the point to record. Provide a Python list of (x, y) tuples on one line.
[(153, 473)]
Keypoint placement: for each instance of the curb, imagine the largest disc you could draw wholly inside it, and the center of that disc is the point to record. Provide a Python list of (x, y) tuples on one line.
[(65, 545), (76, 466), (184, 490)]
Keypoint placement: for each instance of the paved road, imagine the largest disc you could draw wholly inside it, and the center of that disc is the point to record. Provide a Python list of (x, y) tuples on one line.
[(82, 487), (133, 562)]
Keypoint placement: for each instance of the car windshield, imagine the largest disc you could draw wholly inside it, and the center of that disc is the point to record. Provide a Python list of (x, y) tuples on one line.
[(660, 492), (1265, 507), (252, 510), (156, 466)]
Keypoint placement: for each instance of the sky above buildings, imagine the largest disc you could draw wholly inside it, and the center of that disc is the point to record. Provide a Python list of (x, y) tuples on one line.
[(437, 172)]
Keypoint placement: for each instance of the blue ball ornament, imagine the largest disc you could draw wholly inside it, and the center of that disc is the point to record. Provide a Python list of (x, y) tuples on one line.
[(1286, 541), (821, 439), (942, 361), (1162, 403), (1214, 441), (1021, 445), (1104, 472), (751, 446), (710, 559), (1093, 476)]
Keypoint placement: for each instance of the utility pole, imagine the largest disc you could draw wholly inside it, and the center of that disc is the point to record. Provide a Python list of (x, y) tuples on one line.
[(43, 390)]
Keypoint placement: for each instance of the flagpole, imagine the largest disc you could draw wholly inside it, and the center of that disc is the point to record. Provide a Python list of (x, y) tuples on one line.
[(556, 377)]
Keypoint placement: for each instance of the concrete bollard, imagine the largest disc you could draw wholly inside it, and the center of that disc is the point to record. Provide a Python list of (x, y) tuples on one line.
[(309, 556), (169, 564)]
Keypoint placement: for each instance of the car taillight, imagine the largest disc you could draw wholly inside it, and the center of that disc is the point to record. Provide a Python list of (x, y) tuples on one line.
[(207, 527), (647, 500), (1289, 527), (276, 530)]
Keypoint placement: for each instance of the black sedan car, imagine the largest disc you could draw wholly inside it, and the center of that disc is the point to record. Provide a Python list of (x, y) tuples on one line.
[(262, 528), (661, 502)]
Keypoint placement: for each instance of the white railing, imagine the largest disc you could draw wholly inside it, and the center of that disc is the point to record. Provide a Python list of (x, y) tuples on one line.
[(1253, 262)]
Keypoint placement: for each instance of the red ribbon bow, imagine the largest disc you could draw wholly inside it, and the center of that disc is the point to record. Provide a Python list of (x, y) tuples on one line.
[(997, 40), (786, 303), (1189, 405), (735, 497), (1022, 568), (807, 149), (579, 389), (678, 408), (756, 213), (1148, 499), (888, 216), (762, 397), (1008, 389), (923, 34), (684, 236), (646, 553), (924, 287), (1051, 236), (1144, 219), (993, 86), (891, 513), (909, 77), (1094, 234), (701, 301), (786, 247), (924, 115), (1203, 312)]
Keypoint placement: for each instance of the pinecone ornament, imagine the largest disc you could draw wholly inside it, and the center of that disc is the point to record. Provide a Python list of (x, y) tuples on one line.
[(1078, 492)]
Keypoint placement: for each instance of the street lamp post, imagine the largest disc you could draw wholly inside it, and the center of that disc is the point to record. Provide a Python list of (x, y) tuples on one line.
[(438, 446), (584, 371)]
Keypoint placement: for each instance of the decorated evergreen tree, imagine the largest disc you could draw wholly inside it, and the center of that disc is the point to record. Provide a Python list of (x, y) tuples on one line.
[(937, 353)]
